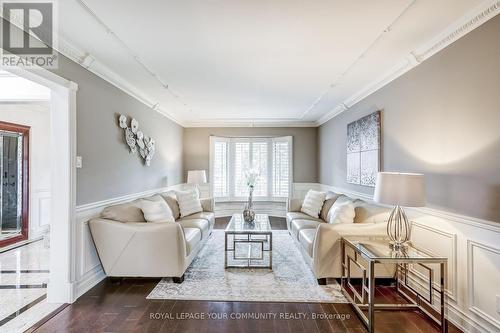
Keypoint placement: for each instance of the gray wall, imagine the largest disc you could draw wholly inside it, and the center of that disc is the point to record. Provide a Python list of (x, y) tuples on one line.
[(108, 169), (442, 119), (197, 147)]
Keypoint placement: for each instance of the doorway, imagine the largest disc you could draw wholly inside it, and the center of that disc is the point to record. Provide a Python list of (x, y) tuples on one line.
[(14, 181)]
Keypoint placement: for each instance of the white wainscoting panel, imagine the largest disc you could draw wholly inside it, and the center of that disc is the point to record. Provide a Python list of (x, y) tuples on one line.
[(39, 213), (277, 209), (441, 243), (484, 285), (472, 248)]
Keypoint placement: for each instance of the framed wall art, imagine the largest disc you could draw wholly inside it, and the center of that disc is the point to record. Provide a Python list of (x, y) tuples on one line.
[(363, 150)]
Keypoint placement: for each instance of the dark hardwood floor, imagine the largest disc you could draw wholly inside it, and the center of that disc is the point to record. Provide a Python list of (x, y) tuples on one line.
[(123, 307)]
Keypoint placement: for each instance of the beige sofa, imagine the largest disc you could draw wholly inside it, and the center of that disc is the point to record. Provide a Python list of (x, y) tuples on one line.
[(128, 246), (319, 241)]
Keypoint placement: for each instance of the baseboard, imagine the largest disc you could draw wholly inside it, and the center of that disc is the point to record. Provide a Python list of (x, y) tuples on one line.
[(457, 226), (88, 281), (89, 271)]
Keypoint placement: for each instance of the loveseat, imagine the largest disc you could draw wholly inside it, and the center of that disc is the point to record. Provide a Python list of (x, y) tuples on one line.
[(319, 241), (128, 246)]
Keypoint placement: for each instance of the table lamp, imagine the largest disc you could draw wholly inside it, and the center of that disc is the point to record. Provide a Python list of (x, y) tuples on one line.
[(399, 190), (196, 177)]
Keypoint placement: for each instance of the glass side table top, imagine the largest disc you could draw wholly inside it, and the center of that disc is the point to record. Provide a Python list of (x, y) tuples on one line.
[(259, 225), (378, 249)]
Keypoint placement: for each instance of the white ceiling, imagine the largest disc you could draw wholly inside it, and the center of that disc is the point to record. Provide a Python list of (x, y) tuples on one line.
[(16, 89), (243, 62)]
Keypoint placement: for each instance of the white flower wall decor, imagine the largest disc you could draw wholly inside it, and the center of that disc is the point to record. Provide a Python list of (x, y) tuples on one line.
[(136, 140)]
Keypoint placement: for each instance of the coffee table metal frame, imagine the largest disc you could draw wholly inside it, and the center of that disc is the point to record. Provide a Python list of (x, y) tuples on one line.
[(250, 237)]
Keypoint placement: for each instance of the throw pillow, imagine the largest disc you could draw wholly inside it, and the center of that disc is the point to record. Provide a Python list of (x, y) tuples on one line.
[(171, 201), (330, 199), (313, 203), (189, 202), (126, 212), (343, 213), (156, 210)]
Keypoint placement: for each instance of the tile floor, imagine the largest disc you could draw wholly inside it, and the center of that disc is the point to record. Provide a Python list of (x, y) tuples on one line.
[(24, 273)]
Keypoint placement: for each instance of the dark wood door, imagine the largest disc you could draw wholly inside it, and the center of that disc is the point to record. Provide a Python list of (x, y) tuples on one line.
[(14, 186)]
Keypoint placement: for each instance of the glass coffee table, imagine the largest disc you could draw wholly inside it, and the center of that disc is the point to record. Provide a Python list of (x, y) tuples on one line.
[(256, 236)]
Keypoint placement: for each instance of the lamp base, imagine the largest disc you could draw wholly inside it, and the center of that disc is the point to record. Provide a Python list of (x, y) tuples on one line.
[(398, 229), (399, 246)]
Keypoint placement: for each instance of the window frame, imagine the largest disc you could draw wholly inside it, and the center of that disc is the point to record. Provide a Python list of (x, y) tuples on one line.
[(230, 190)]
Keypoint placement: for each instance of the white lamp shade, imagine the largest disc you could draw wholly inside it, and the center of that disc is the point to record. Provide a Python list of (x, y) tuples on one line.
[(196, 177), (400, 189)]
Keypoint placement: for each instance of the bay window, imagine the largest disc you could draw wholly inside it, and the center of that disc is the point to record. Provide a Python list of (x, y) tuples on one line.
[(230, 158)]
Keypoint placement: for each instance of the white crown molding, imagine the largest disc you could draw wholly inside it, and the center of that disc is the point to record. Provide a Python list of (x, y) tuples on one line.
[(467, 23), (250, 123), (455, 31), (470, 21), (93, 65)]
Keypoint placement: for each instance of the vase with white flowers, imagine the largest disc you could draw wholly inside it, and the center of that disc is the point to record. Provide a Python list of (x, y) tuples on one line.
[(251, 178)]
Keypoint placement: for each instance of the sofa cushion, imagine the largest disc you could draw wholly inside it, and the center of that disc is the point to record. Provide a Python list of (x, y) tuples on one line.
[(369, 213), (189, 202), (155, 209), (313, 202), (290, 216), (201, 224), (126, 212), (330, 199), (209, 216), (172, 203), (306, 239), (193, 238), (298, 225)]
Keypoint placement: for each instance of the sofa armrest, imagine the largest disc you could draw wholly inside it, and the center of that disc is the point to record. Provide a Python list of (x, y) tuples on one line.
[(207, 204), (126, 246), (326, 249), (293, 205)]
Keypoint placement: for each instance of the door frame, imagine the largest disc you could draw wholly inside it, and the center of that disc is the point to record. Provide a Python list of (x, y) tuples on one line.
[(25, 131), (61, 286)]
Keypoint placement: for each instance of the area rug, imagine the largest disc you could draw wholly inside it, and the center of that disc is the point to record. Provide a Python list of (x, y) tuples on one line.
[(291, 279)]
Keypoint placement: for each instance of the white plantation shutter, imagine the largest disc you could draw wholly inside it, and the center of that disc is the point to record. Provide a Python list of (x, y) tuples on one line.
[(220, 169), (231, 157), (282, 162), (259, 162), (241, 163)]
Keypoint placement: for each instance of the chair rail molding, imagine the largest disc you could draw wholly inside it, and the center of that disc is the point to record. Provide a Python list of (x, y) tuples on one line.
[(473, 261), (89, 271)]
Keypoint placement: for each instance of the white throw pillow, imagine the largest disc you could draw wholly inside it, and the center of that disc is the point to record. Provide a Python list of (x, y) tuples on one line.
[(313, 203), (156, 211), (343, 213), (189, 202)]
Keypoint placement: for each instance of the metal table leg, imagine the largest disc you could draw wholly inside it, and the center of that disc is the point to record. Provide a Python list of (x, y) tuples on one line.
[(444, 324), (371, 297)]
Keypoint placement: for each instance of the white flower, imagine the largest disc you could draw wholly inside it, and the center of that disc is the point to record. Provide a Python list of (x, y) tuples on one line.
[(251, 177)]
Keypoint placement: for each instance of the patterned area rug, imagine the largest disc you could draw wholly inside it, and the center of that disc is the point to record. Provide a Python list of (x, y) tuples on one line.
[(291, 279)]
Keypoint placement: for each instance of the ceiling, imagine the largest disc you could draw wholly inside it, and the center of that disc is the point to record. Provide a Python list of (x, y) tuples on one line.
[(15, 89), (213, 63)]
